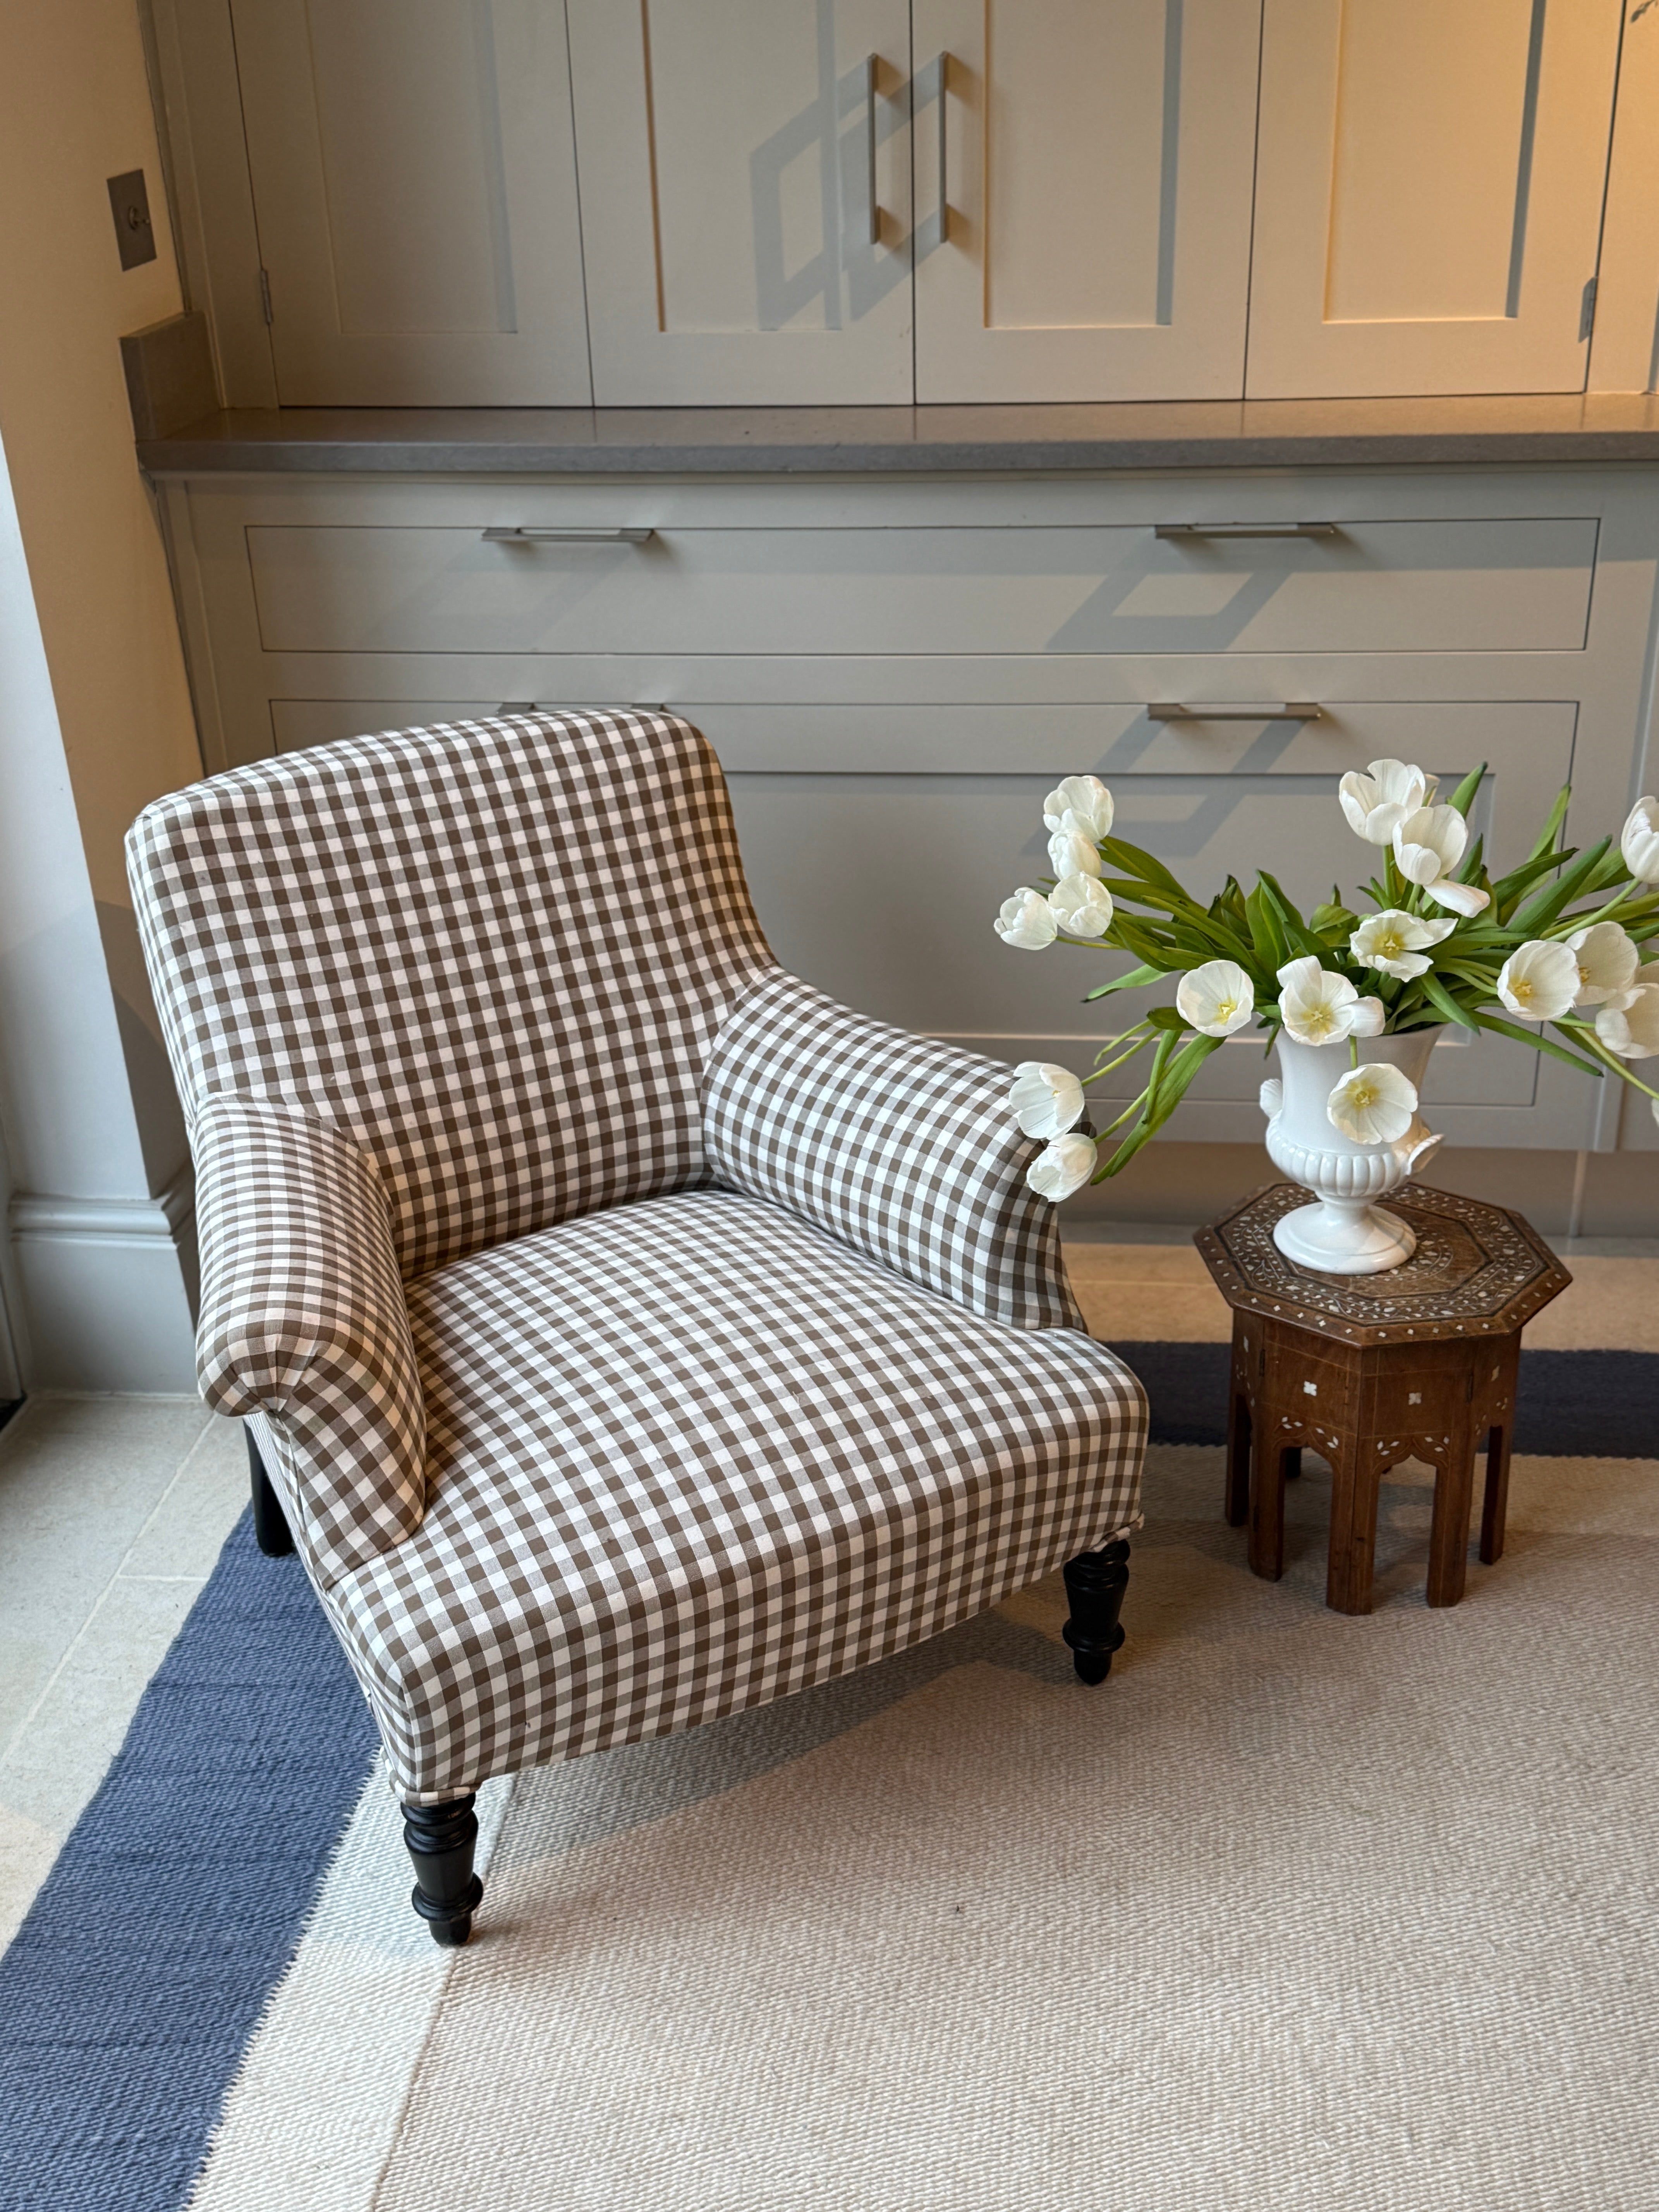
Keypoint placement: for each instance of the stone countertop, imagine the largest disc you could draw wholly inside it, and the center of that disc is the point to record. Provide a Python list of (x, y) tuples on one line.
[(1270, 433)]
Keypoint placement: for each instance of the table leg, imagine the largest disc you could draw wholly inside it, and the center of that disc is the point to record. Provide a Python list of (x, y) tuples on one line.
[(1448, 1538), (1237, 1502), (1356, 1475), (1267, 1541), (1495, 1507)]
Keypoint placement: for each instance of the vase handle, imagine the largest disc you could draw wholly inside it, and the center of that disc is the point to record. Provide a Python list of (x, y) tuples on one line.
[(1423, 1149), (1271, 1097)]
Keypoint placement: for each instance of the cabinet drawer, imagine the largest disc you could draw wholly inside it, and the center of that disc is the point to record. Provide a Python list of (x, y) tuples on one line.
[(1437, 585)]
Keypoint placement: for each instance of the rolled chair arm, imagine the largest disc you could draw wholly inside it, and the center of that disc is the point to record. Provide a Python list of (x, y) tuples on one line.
[(902, 1147), (303, 1321)]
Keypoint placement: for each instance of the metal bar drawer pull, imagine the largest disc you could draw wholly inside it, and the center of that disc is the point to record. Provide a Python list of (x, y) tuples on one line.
[(1293, 710), (871, 67), (1247, 530), (520, 534)]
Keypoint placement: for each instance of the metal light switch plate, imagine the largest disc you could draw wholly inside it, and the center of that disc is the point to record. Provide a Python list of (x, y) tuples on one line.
[(129, 202)]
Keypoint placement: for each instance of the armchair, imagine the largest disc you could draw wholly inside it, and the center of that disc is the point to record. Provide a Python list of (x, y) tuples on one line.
[(628, 1333)]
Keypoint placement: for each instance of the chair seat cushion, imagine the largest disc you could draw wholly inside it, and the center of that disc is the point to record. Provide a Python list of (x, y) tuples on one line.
[(691, 1454)]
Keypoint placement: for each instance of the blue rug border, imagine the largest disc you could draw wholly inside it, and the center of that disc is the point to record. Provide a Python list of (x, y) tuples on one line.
[(131, 1991)]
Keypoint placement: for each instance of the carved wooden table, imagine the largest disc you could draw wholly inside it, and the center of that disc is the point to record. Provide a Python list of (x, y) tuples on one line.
[(1419, 1363)]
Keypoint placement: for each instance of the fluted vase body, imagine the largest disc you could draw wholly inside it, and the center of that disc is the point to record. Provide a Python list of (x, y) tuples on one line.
[(1345, 1232)]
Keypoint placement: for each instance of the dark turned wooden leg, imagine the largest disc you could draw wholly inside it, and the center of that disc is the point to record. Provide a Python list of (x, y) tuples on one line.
[(1237, 1506), (446, 1893), (1095, 1584), (1267, 1540), (271, 1530), (1495, 1507)]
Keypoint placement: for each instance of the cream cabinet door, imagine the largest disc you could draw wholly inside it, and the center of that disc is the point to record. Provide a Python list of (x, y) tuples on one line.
[(1093, 160), (414, 180), (1429, 191), (736, 251)]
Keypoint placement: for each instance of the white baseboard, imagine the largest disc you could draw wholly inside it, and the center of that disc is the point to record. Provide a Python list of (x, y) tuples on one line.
[(103, 1284)]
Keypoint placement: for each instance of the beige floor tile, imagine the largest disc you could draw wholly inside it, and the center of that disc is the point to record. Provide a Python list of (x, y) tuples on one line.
[(187, 1531), (1131, 1313), (79, 1480), (1612, 1305), (1136, 1263)]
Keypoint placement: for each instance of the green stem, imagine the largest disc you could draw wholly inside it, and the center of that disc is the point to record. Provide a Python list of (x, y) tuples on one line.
[(1570, 924), (1140, 1045)]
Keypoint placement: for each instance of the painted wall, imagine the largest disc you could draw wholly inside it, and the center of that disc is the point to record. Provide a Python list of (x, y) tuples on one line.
[(98, 723)]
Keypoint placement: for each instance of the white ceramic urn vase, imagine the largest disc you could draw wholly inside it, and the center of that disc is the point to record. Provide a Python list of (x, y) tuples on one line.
[(1345, 1232)]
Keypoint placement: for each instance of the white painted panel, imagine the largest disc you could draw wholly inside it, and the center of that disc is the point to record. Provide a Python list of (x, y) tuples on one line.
[(1375, 587), (1097, 165), (415, 181), (1429, 191), (889, 902), (725, 154), (297, 723)]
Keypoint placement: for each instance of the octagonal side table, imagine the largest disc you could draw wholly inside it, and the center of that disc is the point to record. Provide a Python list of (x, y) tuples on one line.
[(1419, 1363)]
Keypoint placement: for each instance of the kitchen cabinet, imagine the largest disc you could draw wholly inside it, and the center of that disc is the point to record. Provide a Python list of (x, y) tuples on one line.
[(745, 192), (413, 174), (887, 202), (1429, 195), (1083, 178)]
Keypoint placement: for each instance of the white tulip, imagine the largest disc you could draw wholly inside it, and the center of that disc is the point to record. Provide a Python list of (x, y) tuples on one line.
[(1373, 1105), (1216, 999), (1539, 980), (1378, 802), (1046, 1100), (1639, 841), (1607, 961), (1318, 1007), (1081, 906), (1429, 843), (1061, 1168), (1629, 1025), (1466, 899), (1026, 921), (1086, 799), (1392, 943), (1072, 850), (1428, 847)]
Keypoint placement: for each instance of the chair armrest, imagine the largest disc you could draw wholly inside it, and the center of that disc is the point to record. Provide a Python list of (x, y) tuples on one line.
[(303, 1320), (903, 1148)]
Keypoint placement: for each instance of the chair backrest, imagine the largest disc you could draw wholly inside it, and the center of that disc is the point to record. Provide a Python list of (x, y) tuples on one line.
[(494, 952)]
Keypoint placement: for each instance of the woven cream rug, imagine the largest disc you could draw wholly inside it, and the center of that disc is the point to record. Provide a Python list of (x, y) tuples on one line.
[(1296, 1912)]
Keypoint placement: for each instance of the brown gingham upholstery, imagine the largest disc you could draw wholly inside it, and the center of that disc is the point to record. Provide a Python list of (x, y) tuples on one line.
[(746, 1356), (901, 1146), (304, 1319), (497, 961)]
